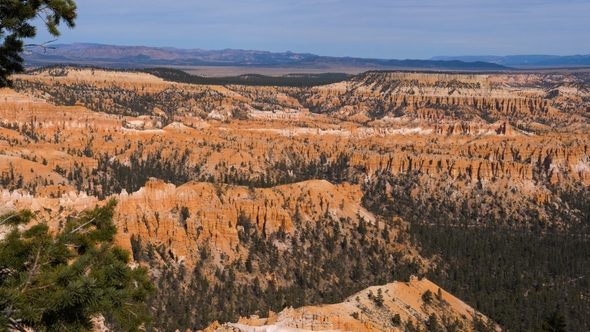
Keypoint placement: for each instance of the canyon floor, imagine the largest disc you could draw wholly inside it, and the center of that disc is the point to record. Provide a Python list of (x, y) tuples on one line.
[(248, 200)]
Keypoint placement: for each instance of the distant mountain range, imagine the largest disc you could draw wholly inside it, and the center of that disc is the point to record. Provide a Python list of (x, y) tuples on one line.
[(142, 56), (524, 60)]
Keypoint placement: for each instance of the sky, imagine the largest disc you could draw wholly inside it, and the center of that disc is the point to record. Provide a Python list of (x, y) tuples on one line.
[(394, 29)]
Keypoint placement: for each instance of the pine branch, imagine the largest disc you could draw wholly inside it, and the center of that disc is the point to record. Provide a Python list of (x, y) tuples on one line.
[(35, 266), (14, 324), (43, 45), (5, 220), (134, 314), (44, 11), (41, 279), (99, 261), (82, 226), (42, 287)]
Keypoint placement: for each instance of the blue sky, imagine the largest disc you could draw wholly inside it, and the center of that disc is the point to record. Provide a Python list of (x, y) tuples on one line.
[(391, 29)]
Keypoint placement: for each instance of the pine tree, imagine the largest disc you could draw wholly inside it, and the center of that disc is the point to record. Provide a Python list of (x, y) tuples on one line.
[(427, 296), (553, 323), (15, 18), (59, 281), (379, 298)]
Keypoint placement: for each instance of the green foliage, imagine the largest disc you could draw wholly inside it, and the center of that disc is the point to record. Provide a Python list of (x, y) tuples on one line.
[(433, 324), (427, 296), (379, 298), (553, 323), (439, 294), (479, 325), (453, 325), (60, 281), (15, 18), (14, 219), (327, 262), (410, 327), (184, 213), (292, 80), (396, 319), (507, 266)]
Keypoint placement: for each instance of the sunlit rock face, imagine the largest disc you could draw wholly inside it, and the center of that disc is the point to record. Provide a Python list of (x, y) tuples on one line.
[(513, 133), (372, 309), (193, 166)]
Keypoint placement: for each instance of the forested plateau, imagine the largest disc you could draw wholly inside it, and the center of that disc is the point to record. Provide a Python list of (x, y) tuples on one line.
[(386, 192)]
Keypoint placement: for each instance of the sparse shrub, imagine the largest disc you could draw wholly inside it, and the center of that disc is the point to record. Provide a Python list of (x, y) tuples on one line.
[(427, 296), (379, 298)]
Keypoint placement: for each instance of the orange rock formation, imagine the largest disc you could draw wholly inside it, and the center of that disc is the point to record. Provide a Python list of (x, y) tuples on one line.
[(361, 311)]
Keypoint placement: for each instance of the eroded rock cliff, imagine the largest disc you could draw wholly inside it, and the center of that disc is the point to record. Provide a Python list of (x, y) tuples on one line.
[(242, 183)]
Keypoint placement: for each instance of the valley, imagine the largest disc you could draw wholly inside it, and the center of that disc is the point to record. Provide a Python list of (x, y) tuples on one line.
[(253, 200)]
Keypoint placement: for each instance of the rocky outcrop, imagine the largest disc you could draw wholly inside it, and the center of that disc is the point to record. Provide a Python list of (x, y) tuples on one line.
[(484, 160), (225, 159), (186, 217), (155, 212), (435, 98), (380, 308)]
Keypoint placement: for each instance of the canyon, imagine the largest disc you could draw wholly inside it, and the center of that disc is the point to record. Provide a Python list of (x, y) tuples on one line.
[(273, 187)]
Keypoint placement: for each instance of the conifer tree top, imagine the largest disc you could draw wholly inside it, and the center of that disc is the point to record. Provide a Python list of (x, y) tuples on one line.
[(59, 281), (15, 25)]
